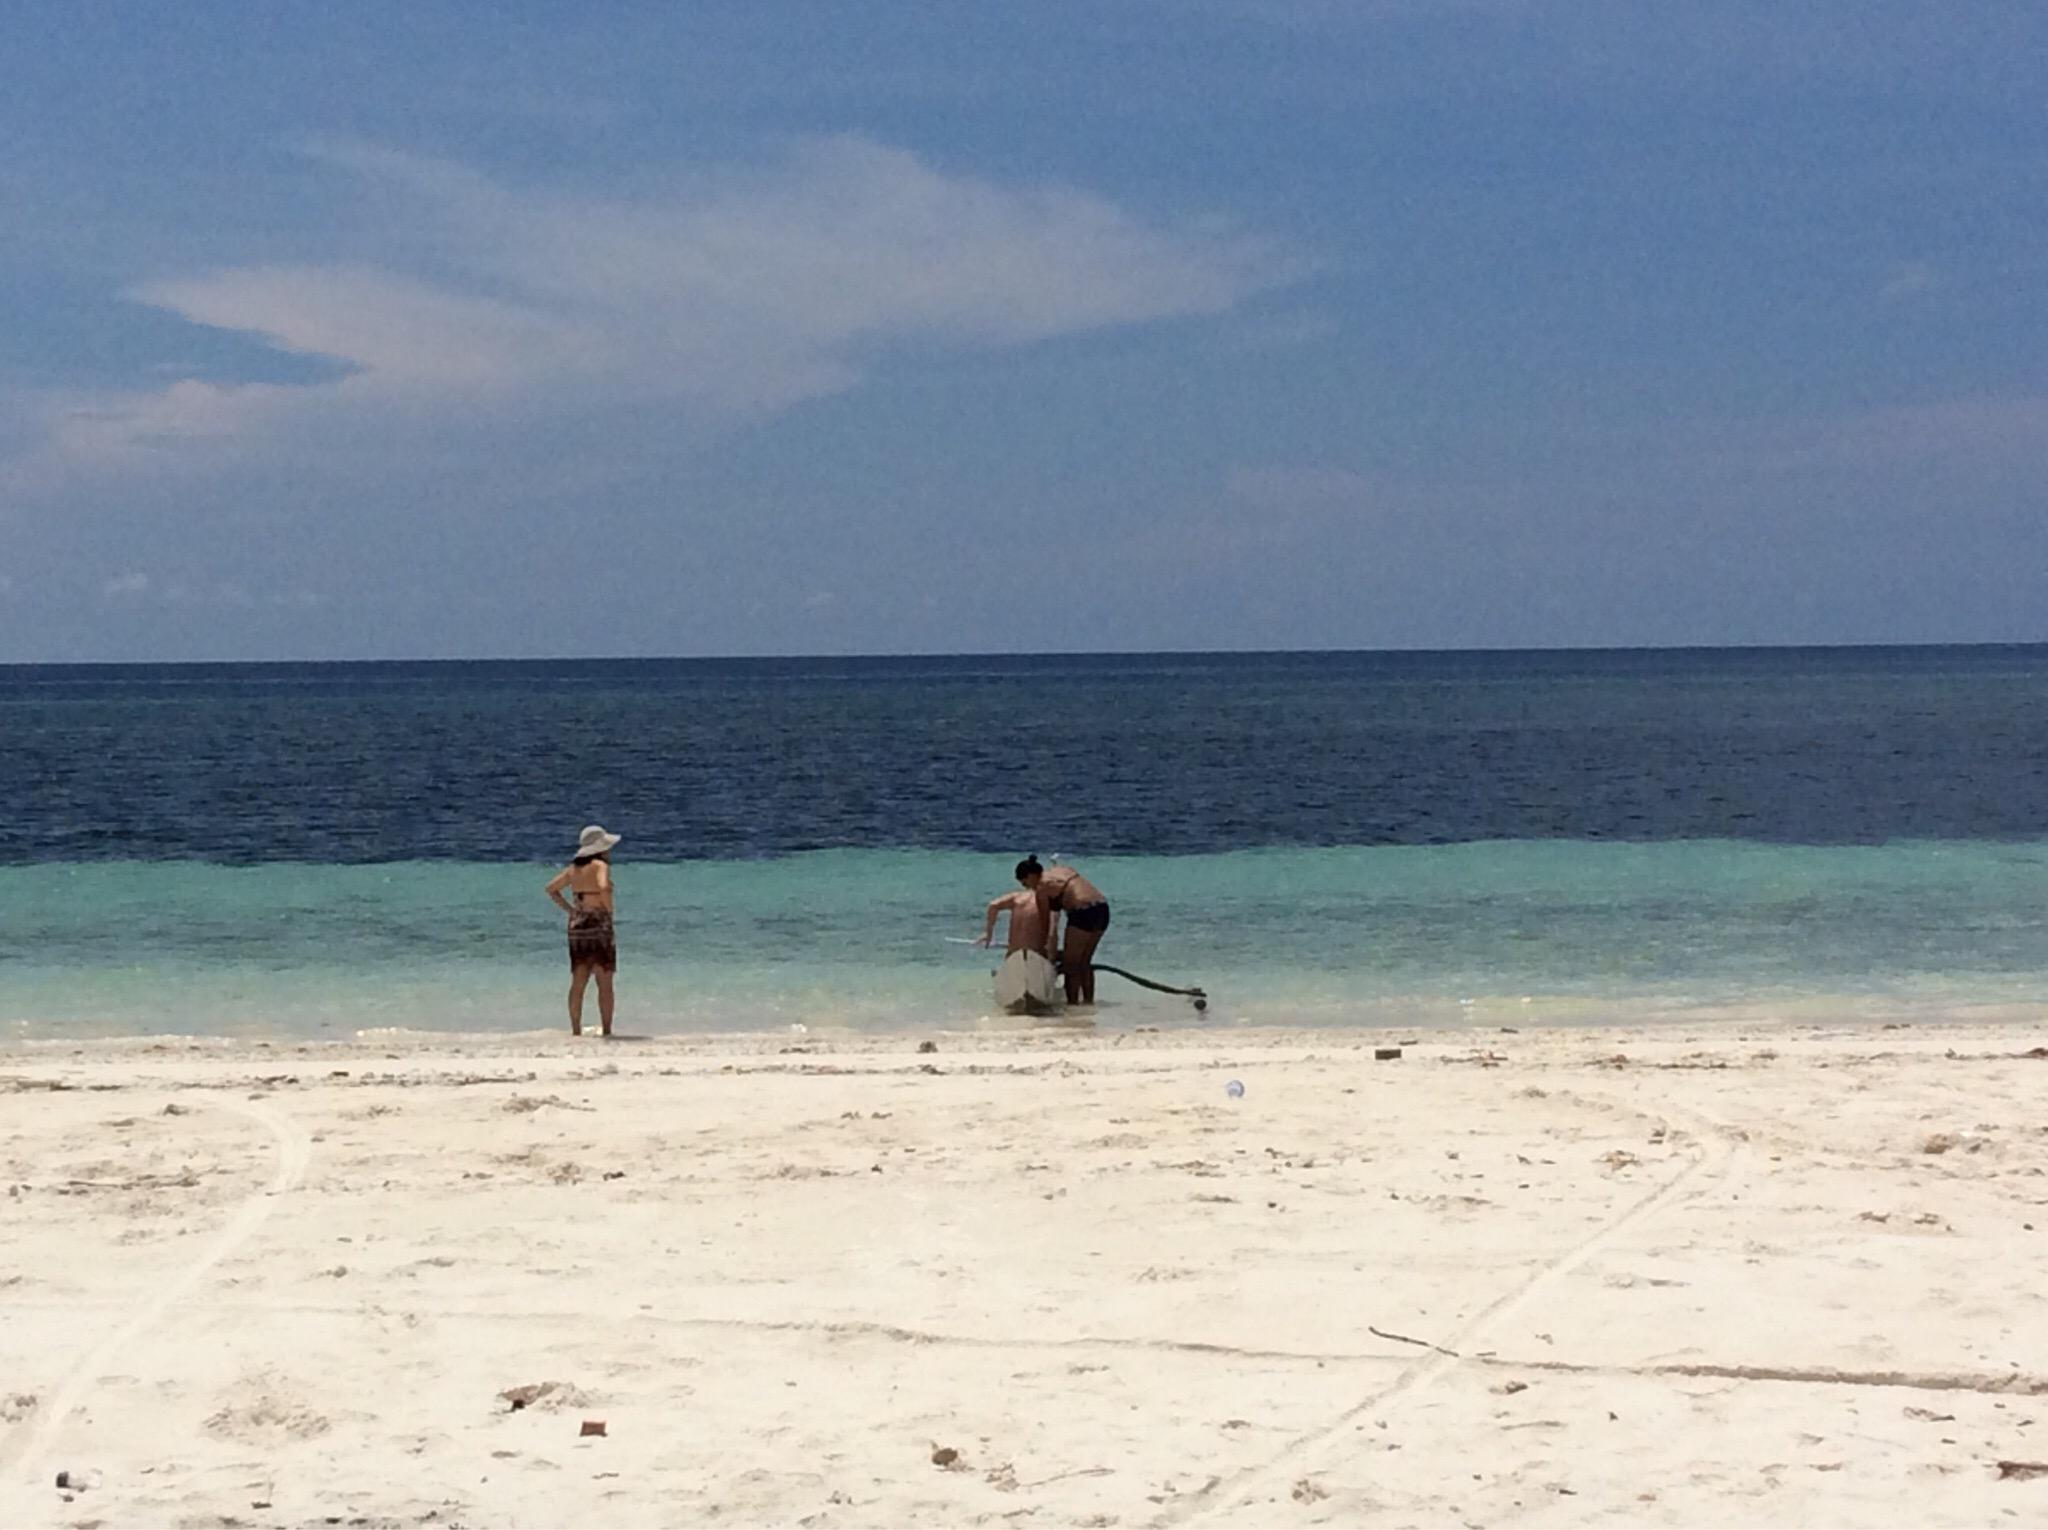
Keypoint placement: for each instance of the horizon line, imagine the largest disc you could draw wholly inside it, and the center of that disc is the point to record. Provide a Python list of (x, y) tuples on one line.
[(1039, 654)]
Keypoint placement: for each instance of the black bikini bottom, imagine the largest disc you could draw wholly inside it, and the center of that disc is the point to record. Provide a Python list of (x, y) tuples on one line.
[(1094, 918)]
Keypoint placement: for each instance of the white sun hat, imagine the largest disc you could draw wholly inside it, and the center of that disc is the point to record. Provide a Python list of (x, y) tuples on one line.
[(594, 841)]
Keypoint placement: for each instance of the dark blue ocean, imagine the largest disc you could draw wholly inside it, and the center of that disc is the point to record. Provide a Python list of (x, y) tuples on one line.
[(1315, 838)]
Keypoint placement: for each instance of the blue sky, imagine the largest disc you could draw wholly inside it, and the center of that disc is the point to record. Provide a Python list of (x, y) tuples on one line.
[(445, 330)]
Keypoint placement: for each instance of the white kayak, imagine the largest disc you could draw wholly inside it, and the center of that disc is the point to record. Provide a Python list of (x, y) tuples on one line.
[(1028, 984)]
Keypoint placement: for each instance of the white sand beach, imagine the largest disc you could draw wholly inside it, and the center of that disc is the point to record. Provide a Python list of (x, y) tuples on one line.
[(1711, 1275)]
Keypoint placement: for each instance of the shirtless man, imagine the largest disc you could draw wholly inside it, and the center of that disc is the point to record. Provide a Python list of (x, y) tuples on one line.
[(1031, 921)]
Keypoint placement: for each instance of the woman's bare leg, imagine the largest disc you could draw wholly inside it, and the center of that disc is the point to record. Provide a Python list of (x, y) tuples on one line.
[(578, 977), (1076, 962), (604, 998)]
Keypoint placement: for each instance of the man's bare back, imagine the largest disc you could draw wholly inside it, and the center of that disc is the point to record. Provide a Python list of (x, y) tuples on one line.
[(1030, 924)]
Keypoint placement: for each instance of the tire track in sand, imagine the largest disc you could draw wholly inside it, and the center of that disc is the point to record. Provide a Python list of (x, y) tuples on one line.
[(21, 1457), (1721, 1148)]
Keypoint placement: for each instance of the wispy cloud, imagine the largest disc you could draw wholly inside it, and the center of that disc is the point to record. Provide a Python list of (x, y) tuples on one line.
[(1290, 491), (1260, 515), (716, 295), (1980, 434), (1913, 279), (1283, 331), (134, 585), (400, 331)]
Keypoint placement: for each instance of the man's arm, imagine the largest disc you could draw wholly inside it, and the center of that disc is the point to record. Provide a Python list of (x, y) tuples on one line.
[(995, 907)]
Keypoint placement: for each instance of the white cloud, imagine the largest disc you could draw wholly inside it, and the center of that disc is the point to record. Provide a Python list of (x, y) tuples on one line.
[(122, 585), (715, 296), (399, 331)]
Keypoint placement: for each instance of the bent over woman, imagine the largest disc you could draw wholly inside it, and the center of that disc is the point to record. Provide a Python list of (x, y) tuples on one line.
[(593, 948), (1063, 890)]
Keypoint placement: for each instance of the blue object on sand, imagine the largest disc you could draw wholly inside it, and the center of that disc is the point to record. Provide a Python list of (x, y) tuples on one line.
[(1234, 1089)]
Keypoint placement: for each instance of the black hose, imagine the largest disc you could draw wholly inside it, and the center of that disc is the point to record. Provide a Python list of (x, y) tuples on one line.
[(1188, 993)]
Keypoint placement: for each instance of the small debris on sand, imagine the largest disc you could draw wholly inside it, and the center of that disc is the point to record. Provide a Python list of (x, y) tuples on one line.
[(527, 1104), (2020, 1471), (591, 1426), (945, 1455), (927, 1046), (548, 1395)]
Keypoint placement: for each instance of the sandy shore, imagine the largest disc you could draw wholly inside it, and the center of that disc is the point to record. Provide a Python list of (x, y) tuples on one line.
[(1724, 1275)]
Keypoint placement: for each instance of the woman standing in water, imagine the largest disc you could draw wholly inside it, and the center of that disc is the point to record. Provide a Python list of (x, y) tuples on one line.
[(592, 946), (1063, 890)]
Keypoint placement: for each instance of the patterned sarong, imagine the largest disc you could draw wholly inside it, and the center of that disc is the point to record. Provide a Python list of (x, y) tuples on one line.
[(591, 942)]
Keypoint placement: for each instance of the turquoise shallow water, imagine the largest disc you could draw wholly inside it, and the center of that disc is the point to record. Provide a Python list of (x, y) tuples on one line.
[(1500, 932), (1316, 838)]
